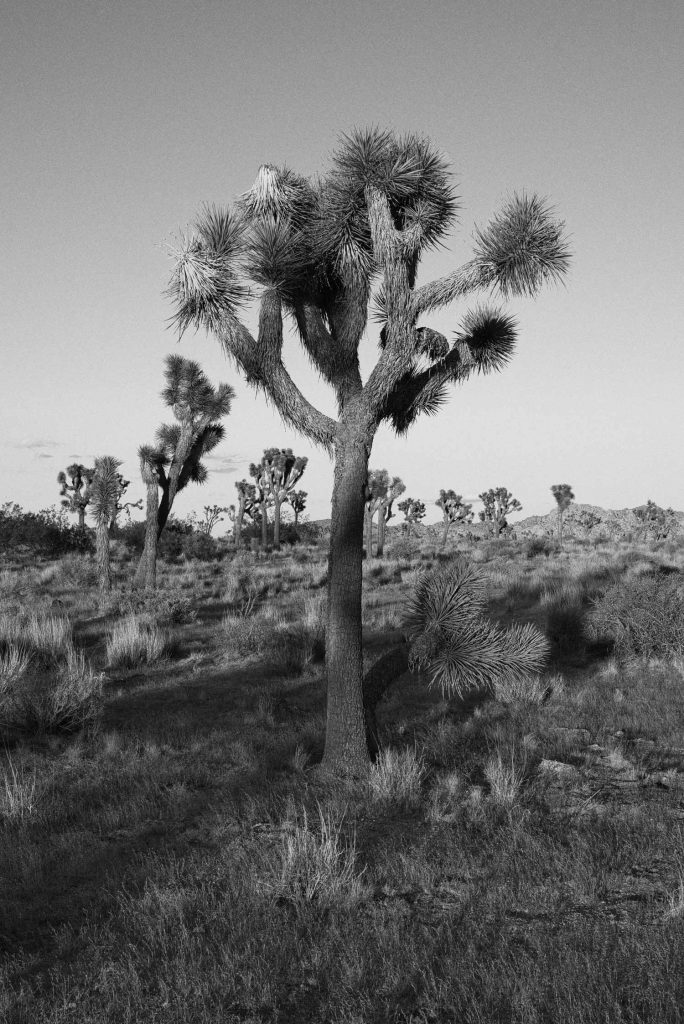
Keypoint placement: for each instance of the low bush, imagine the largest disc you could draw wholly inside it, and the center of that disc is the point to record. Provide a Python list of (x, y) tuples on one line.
[(642, 616), (396, 778), (47, 532), (244, 635), (541, 546)]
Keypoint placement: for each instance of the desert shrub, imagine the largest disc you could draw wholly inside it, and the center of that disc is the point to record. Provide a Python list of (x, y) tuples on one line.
[(642, 616), (395, 779), (295, 645), (136, 640), (36, 699), (47, 532), (132, 535), (164, 609), (244, 635), (200, 546), (540, 546), (78, 570)]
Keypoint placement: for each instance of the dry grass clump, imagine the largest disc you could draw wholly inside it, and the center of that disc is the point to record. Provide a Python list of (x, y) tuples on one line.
[(44, 638), (62, 698), (17, 791), (396, 779), (532, 690), (135, 641), (315, 861), (505, 779)]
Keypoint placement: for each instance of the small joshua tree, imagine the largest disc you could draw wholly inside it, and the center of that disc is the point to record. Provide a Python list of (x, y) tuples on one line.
[(564, 499), (280, 471), (248, 500), (76, 494), (414, 511), (105, 490), (257, 471), (385, 513), (213, 514), (454, 510), (175, 460), (498, 505), (297, 500)]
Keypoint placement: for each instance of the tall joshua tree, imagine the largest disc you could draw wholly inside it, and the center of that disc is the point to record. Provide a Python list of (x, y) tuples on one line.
[(175, 460), (313, 248), (105, 491), (454, 510), (280, 471), (395, 489), (76, 495), (564, 499), (498, 504)]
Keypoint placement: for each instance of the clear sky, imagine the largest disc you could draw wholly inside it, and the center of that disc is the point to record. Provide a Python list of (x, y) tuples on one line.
[(121, 117)]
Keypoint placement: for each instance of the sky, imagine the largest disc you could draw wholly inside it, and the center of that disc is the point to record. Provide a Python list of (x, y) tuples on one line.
[(120, 118)]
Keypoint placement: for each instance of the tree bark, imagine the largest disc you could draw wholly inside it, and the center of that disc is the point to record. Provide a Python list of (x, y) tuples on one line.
[(147, 570), (276, 522), (346, 748), (380, 550), (264, 524), (104, 570)]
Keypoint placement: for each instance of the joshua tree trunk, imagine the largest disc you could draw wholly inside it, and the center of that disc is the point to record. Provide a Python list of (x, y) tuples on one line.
[(447, 524), (346, 748), (81, 517), (104, 570), (264, 524), (147, 570), (368, 519), (560, 527), (381, 533), (276, 521)]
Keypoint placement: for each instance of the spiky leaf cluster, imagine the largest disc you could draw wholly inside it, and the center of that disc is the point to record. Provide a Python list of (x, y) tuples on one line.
[(563, 495), (105, 489), (452, 641)]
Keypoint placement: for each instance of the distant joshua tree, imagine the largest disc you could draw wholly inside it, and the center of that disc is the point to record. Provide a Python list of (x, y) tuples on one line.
[(564, 499), (280, 470), (212, 515), (377, 485), (317, 249), (175, 460), (454, 510), (248, 500), (414, 511), (105, 490), (385, 513), (297, 500), (76, 495), (498, 504)]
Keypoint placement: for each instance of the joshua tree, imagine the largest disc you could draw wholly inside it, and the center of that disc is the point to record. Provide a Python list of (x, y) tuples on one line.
[(76, 494), (564, 499), (212, 516), (175, 460), (414, 511), (297, 500), (454, 510), (396, 487), (498, 505), (247, 503), (257, 471), (314, 247), (105, 491), (280, 471), (126, 507), (377, 485)]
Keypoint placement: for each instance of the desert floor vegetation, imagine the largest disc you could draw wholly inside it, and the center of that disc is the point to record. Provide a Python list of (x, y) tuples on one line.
[(169, 851)]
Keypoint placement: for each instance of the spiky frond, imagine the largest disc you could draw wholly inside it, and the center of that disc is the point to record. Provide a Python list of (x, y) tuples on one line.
[(167, 437), (522, 248), (198, 473), (442, 600), (212, 436), (490, 336), (279, 194), (186, 383), (105, 489), (206, 284), (416, 395), (478, 654)]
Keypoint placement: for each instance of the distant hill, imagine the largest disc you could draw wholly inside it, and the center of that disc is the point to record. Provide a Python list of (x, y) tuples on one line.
[(612, 521)]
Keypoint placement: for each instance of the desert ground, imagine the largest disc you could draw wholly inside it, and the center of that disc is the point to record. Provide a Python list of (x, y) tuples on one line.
[(169, 852)]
